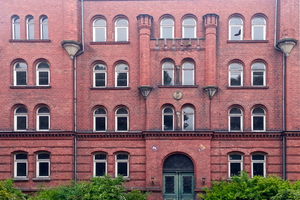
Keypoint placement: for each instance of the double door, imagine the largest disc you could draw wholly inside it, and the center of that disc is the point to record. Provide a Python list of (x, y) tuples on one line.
[(178, 186)]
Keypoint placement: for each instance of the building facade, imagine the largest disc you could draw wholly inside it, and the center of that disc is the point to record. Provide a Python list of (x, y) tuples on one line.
[(171, 94)]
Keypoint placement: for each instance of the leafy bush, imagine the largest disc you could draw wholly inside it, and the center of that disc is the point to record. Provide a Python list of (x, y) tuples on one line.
[(8, 192)]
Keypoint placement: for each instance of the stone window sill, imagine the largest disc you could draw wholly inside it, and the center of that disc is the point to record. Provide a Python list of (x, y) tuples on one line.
[(29, 41), (20, 179), (247, 41), (178, 86), (110, 88), (29, 87), (109, 43), (247, 87)]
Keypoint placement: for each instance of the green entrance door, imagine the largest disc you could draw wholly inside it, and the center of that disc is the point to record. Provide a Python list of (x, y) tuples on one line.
[(178, 178)]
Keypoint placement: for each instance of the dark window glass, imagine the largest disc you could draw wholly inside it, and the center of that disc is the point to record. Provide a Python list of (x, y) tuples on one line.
[(258, 157), (258, 123), (122, 157), (21, 156), (100, 123), (258, 169), (43, 122), (235, 168), (168, 122), (21, 169), (21, 122), (235, 78), (187, 184), (122, 79), (43, 78), (100, 79), (44, 169), (235, 157), (100, 169), (122, 123), (100, 157), (235, 123), (122, 168), (258, 78), (169, 184), (21, 78)]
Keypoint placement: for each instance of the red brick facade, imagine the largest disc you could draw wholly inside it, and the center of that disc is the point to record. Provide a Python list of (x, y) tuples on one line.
[(71, 95)]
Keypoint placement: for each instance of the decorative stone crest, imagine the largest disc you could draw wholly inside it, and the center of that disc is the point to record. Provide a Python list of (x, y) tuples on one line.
[(177, 95)]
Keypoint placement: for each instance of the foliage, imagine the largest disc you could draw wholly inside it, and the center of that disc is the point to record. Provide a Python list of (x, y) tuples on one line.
[(8, 192), (100, 188), (257, 188)]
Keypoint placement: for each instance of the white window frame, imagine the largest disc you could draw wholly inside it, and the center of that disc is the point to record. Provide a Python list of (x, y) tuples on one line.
[(100, 115), (189, 26), (167, 69), (234, 26), (191, 114), (96, 71), (19, 70), (118, 27), (117, 71), (258, 115), (258, 161), (162, 26), (38, 161), (234, 161), (235, 70), (16, 161), (16, 25), (121, 161), (167, 114), (99, 27), (121, 115), (42, 27), (235, 115), (257, 26), (29, 34), (184, 70), (258, 70), (99, 161), (38, 70), (16, 115), (38, 115)]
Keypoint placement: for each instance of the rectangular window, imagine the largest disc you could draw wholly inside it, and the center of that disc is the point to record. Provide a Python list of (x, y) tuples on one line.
[(258, 165), (43, 122), (235, 164), (21, 78), (21, 122), (43, 165), (20, 165), (122, 165), (122, 124), (258, 78), (122, 79), (235, 123), (100, 34), (168, 123), (99, 165), (100, 123), (100, 80), (43, 78)]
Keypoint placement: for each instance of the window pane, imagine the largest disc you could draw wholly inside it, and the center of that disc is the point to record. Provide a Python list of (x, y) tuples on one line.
[(100, 169), (258, 157), (30, 30), (100, 123), (168, 122), (258, 33), (100, 157), (121, 34), (236, 33), (122, 123), (100, 79), (17, 31), (168, 77), (21, 169), (122, 111), (21, 156), (21, 122), (189, 32), (21, 78), (43, 110), (235, 168), (122, 79), (122, 157), (188, 77), (235, 78), (258, 78), (43, 78), (235, 157), (235, 123), (167, 32), (187, 184), (169, 184), (258, 123), (258, 169), (21, 110), (43, 156), (45, 34), (44, 169), (188, 122), (99, 34), (43, 122), (122, 168)]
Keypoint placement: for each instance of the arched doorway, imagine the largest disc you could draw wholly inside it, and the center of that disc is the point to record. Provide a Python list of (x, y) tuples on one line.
[(178, 178)]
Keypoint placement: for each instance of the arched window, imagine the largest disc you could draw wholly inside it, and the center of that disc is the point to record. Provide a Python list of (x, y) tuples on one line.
[(258, 74), (187, 118), (100, 118), (20, 165), (44, 28), (121, 30), (189, 28), (42, 74), (235, 164), (258, 119), (235, 119), (168, 73), (122, 119), (258, 28), (235, 74), (122, 165), (20, 119), (20, 73), (258, 162), (42, 165), (188, 73), (235, 28), (43, 119), (99, 75), (100, 164), (121, 73), (16, 28), (30, 27), (99, 30), (167, 28), (168, 119)]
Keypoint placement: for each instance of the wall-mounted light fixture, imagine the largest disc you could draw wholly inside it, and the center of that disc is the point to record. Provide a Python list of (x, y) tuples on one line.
[(145, 90), (210, 90), (71, 47), (203, 181), (286, 45)]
